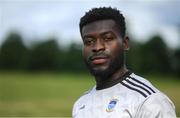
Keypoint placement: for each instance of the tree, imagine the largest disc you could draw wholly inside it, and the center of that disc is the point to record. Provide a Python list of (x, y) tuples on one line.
[(155, 56), (72, 59), (134, 58), (176, 62), (44, 56), (13, 52)]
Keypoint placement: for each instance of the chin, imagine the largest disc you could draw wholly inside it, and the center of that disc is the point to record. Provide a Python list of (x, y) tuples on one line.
[(101, 68), (102, 72)]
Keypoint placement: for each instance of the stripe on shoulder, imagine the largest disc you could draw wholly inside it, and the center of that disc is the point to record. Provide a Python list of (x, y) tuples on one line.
[(132, 88), (138, 86), (142, 83)]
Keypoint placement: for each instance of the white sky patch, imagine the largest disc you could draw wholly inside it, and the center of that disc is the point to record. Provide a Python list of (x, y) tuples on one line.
[(170, 35), (141, 26)]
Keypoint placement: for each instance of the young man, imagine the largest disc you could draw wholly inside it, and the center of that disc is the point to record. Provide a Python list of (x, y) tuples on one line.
[(118, 93)]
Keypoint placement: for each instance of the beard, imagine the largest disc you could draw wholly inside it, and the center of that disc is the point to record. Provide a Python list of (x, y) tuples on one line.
[(114, 65)]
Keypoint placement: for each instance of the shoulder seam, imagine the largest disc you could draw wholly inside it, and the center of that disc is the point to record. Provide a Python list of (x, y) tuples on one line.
[(145, 85), (132, 88), (138, 86)]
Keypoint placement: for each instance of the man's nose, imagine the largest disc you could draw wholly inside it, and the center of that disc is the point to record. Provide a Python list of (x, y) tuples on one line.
[(99, 46)]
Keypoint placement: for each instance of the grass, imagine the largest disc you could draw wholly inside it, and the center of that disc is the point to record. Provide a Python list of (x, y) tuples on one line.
[(53, 94)]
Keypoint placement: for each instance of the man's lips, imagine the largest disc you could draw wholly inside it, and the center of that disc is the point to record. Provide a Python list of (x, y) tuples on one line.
[(99, 60)]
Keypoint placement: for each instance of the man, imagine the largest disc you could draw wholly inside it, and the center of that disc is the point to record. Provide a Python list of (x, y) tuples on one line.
[(118, 93)]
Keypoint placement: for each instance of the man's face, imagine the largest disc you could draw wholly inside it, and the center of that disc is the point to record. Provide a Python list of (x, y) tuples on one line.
[(103, 49)]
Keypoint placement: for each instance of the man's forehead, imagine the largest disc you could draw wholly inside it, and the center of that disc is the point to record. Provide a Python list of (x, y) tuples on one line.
[(99, 26)]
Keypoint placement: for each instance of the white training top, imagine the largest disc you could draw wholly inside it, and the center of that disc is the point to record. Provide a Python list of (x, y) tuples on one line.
[(131, 97)]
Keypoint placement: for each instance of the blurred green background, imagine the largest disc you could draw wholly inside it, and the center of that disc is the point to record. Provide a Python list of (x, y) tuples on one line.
[(45, 80), (41, 67)]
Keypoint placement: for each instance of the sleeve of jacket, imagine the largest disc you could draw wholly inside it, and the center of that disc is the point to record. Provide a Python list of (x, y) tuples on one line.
[(157, 105)]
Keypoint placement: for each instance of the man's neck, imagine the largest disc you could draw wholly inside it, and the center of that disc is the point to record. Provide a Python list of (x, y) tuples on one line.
[(104, 83)]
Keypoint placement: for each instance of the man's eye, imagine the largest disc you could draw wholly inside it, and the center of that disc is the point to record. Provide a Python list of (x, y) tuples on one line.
[(108, 38), (88, 41)]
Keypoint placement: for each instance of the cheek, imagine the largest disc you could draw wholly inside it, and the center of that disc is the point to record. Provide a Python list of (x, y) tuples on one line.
[(115, 48), (85, 53)]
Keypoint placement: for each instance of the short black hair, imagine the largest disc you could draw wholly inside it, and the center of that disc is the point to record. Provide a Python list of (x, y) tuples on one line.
[(103, 13)]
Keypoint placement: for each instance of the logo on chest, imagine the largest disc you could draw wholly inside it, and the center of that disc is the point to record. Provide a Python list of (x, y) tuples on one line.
[(82, 107), (111, 106)]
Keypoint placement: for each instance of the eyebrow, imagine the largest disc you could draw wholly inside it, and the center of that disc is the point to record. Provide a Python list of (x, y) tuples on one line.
[(107, 32), (87, 36), (101, 34)]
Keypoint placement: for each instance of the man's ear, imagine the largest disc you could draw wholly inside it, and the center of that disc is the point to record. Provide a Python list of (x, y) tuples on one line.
[(126, 43)]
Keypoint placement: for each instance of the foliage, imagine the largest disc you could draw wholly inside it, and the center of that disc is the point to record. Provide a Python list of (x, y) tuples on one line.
[(13, 53), (176, 62), (43, 56), (151, 57)]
